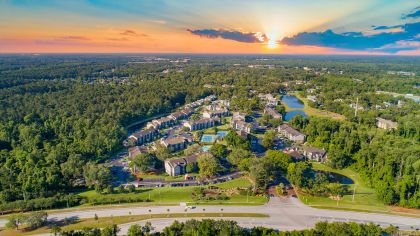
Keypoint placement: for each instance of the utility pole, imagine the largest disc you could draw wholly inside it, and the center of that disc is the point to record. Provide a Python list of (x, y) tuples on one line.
[(357, 107), (401, 171), (354, 193)]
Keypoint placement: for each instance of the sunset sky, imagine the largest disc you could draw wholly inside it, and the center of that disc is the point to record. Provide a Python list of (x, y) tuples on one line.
[(211, 26)]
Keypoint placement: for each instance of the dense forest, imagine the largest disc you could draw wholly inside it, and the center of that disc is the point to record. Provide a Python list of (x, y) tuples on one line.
[(60, 112)]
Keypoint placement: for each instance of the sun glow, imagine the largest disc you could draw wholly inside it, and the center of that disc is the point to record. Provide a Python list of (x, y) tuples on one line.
[(272, 41)]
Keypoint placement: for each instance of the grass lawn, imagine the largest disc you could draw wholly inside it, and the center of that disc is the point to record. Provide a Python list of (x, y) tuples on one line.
[(175, 195), (239, 182), (165, 176), (225, 126), (364, 200), (105, 221), (310, 111)]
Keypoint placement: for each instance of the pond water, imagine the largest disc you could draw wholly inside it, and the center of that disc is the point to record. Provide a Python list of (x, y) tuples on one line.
[(289, 115), (292, 101)]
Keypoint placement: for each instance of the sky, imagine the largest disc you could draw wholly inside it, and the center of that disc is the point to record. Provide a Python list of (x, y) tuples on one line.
[(211, 26)]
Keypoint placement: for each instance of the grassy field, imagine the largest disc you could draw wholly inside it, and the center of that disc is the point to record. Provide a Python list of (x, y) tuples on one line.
[(174, 195), (104, 221), (364, 199), (310, 111)]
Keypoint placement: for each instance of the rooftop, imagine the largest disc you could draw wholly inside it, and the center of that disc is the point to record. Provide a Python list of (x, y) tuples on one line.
[(388, 122), (289, 129), (143, 132), (134, 151), (311, 149), (174, 140), (183, 160)]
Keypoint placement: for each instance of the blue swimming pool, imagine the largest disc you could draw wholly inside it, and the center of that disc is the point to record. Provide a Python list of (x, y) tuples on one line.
[(222, 134), (206, 148), (208, 138)]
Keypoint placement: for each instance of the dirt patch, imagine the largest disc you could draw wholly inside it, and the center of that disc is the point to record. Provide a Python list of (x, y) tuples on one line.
[(250, 179), (405, 210), (232, 191), (335, 198)]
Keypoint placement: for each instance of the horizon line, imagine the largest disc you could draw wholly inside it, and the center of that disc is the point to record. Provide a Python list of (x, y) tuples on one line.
[(209, 53)]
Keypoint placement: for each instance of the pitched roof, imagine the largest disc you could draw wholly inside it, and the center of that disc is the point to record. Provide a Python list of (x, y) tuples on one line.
[(314, 150), (295, 155), (189, 137), (183, 160), (177, 114), (242, 123), (143, 132), (200, 121), (174, 140), (271, 111), (134, 151), (387, 122), (165, 119), (289, 129), (239, 115)]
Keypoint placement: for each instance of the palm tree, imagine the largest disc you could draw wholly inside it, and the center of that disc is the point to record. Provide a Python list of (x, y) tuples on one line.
[(204, 209), (168, 211), (150, 213), (221, 209)]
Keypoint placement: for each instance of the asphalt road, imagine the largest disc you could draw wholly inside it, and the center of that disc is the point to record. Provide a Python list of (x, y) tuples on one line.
[(284, 214)]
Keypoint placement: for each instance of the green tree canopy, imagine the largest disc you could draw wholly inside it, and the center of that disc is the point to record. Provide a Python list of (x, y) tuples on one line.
[(208, 165)]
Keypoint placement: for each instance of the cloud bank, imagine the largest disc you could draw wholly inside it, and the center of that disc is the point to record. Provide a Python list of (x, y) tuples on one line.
[(231, 35), (356, 40), (385, 27), (414, 13)]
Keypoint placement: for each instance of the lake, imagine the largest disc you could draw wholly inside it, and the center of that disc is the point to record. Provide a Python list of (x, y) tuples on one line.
[(289, 115), (292, 102)]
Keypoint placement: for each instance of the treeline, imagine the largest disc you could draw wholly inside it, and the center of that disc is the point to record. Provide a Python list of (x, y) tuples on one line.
[(58, 201), (232, 228)]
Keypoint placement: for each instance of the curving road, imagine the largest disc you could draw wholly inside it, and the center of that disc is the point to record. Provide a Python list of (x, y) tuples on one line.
[(284, 214)]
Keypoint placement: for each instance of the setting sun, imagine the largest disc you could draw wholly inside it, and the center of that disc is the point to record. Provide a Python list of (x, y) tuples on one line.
[(272, 42)]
